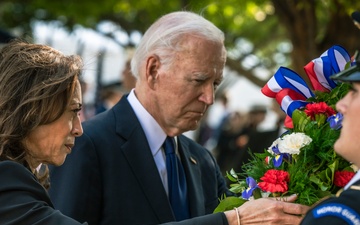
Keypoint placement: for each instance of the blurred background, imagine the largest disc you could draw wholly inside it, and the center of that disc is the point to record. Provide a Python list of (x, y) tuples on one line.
[(261, 35)]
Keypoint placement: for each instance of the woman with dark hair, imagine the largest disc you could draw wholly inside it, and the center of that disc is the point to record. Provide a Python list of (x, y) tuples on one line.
[(40, 100)]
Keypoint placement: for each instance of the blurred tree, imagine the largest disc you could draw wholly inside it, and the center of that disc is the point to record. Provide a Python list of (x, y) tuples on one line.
[(260, 34)]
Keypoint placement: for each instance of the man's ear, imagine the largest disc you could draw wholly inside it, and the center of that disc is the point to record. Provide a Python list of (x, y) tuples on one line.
[(152, 69)]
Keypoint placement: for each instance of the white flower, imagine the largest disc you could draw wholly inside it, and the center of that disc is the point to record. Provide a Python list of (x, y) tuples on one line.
[(292, 143)]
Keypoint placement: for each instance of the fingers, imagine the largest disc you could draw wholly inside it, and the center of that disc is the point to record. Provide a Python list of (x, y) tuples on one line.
[(269, 211), (290, 208), (295, 209), (290, 198)]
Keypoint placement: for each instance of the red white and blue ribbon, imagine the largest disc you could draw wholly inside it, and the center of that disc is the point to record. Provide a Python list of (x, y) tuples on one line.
[(286, 78), (291, 91), (290, 100), (329, 63)]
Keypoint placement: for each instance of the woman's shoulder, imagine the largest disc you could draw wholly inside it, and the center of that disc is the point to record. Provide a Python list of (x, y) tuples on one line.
[(24, 200), (16, 176), (9, 163), (9, 167)]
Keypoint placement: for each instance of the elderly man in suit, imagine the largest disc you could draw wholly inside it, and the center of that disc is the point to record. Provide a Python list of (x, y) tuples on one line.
[(121, 173)]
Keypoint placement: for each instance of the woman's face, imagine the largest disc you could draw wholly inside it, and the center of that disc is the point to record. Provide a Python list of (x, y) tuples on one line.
[(51, 143), (348, 145)]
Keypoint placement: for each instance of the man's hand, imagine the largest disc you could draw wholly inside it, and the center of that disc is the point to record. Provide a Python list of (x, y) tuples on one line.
[(272, 211)]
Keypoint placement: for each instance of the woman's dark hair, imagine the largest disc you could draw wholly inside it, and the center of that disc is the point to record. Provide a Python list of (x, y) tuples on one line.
[(36, 84)]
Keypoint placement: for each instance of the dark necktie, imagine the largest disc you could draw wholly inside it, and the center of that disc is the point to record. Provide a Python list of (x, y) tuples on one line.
[(176, 181)]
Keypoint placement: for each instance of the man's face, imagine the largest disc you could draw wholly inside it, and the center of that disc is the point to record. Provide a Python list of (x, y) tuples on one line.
[(186, 88), (348, 144)]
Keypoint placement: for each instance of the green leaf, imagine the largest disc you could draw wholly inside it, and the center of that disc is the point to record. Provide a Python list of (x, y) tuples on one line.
[(300, 120), (229, 203), (236, 188), (333, 167), (319, 181), (257, 193), (322, 194), (232, 176)]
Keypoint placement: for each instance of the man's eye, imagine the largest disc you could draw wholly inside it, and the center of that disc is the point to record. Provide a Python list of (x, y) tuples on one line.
[(199, 81)]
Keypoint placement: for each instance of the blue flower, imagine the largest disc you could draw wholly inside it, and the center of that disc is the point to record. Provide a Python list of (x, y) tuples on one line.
[(278, 160), (252, 186), (275, 149), (279, 157), (335, 121)]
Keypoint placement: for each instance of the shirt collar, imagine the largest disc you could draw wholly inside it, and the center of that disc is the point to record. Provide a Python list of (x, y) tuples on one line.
[(153, 132), (353, 180)]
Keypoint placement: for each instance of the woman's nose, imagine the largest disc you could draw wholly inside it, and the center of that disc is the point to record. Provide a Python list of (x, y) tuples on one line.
[(77, 130)]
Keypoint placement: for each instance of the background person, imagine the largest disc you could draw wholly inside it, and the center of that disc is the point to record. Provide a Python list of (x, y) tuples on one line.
[(117, 173), (40, 102), (110, 94), (128, 80)]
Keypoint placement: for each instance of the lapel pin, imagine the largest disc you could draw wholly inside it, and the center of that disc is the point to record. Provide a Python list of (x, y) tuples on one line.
[(193, 160)]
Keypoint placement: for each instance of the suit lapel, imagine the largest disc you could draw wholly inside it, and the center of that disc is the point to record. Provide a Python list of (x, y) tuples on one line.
[(193, 175), (138, 154)]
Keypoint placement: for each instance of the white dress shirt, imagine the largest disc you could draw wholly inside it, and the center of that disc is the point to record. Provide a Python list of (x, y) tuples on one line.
[(154, 134)]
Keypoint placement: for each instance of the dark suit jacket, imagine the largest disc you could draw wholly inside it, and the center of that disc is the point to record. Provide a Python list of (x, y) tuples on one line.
[(344, 209), (111, 176), (24, 201)]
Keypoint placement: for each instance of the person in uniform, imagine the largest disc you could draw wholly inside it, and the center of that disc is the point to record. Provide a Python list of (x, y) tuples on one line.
[(345, 207)]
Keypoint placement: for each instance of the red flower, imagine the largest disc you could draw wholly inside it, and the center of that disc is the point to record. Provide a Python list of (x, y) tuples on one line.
[(341, 178), (274, 181), (313, 109)]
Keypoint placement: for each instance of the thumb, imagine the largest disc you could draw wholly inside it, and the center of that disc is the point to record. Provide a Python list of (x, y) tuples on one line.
[(290, 198)]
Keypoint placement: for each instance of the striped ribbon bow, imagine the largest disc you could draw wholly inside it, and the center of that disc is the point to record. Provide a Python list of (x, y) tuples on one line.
[(291, 91), (320, 69)]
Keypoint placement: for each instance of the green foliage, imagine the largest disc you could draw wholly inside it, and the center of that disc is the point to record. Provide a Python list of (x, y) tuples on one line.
[(313, 173), (261, 167), (333, 97), (312, 170), (228, 204)]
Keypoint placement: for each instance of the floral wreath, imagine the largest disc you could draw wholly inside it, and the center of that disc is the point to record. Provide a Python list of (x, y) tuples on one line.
[(301, 161)]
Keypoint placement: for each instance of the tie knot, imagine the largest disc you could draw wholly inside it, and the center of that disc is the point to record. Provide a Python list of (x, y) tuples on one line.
[(169, 145)]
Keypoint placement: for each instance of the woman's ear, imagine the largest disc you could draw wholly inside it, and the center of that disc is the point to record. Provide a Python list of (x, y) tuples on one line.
[(152, 69)]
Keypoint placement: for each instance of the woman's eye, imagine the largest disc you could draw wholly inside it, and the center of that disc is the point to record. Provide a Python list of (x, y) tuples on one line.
[(353, 90), (76, 111)]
